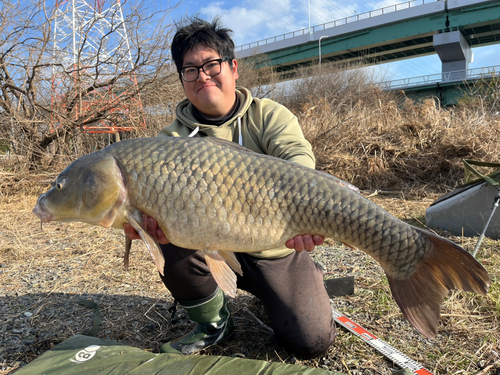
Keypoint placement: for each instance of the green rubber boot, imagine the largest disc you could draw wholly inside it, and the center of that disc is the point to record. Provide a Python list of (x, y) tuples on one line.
[(214, 325)]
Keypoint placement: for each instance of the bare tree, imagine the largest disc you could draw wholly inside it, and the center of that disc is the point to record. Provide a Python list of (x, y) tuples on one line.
[(44, 100), (257, 74)]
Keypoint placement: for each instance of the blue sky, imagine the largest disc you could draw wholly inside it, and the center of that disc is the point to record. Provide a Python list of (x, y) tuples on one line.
[(253, 20)]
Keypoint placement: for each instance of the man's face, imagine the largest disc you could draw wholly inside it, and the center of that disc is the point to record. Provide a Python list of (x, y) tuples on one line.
[(212, 96)]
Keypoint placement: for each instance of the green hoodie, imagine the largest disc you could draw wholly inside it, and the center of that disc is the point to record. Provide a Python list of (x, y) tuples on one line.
[(266, 128)]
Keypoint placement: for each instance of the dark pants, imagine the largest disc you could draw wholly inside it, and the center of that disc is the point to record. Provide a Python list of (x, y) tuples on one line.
[(290, 288)]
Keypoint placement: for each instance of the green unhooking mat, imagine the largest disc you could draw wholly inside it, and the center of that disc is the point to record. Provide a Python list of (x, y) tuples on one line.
[(93, 356)]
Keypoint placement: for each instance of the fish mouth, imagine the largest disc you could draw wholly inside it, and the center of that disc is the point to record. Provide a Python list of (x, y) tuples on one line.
[(41, 211)]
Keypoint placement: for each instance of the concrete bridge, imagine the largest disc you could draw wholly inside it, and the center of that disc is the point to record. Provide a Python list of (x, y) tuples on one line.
[(448, 87), (406, 30)]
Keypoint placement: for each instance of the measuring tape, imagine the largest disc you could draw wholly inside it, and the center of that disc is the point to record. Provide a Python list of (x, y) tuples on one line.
[(387, 350)]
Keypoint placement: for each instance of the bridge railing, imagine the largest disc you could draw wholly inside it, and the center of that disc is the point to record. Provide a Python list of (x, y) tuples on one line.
[(339, 22), (446, 77)]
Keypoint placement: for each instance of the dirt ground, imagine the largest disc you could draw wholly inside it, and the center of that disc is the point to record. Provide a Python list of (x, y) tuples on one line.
[(45, 273)]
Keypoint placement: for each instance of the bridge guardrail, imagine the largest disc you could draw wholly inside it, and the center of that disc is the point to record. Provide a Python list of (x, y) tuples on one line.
[(339, 22), (446, 77)]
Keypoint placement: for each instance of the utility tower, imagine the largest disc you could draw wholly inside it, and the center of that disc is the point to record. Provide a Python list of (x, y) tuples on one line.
[(92, 75)]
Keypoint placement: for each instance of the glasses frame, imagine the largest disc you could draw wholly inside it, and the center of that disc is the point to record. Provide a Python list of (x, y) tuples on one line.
[(220, 61)]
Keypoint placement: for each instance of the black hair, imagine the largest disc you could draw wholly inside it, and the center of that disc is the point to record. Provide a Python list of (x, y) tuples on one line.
[(194, 31)]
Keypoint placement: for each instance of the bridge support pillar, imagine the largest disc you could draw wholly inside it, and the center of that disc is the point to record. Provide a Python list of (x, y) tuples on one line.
[(455, 54)]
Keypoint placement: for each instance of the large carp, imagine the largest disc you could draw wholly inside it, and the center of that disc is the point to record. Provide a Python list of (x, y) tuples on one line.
[(217, 197)]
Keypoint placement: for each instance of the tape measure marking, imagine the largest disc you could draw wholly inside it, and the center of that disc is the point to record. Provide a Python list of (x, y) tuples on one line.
[(387, 350)]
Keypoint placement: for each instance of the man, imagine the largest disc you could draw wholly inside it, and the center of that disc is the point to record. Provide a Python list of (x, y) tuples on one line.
[(289, 284)]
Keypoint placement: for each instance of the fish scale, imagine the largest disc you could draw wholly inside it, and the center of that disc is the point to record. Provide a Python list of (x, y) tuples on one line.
[(195, 160), (215, 196), (268, 210)]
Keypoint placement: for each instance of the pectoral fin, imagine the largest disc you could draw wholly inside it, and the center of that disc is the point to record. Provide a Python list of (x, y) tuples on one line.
[(221, 272), (151, 244)]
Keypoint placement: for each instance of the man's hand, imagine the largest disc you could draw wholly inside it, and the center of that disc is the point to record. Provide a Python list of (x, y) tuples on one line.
[(304, 242), (151, 226)]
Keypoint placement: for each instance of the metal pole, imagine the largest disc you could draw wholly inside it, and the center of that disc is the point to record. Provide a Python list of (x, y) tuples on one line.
[(309, 12), (319, 45), (481, 237)]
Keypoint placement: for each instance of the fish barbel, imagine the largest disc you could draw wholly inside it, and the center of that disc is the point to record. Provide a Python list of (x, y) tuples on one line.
[(212, 195)]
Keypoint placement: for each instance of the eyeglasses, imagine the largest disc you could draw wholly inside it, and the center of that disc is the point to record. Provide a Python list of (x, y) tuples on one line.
[(210, 68)]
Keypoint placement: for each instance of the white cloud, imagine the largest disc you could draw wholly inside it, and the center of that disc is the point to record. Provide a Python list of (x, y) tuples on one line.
[(260, 20)]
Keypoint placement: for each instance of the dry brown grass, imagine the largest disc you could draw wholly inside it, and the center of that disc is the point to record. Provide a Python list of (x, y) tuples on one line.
[(382, 140)]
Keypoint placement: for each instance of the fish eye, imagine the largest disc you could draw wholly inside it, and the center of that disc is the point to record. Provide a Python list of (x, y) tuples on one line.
[(60, 184)]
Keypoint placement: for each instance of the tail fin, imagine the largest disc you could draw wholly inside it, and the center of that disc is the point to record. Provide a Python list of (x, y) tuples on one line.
[(447, 267)]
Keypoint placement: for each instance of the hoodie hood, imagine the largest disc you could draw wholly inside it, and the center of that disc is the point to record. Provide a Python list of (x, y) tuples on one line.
[(184, 113)]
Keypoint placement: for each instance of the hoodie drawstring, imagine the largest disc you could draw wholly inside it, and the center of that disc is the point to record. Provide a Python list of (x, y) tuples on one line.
[(240, 138), (193, 133)]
